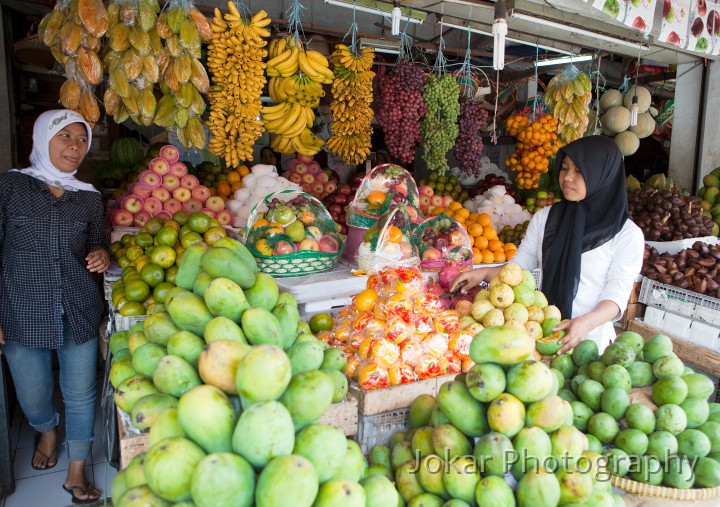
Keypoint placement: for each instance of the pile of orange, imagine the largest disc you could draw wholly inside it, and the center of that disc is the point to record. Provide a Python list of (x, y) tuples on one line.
[(536, 142), (227, 187), (487, 248)]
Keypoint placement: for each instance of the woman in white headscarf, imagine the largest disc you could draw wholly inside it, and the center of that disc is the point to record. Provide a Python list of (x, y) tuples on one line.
[(51, 245)]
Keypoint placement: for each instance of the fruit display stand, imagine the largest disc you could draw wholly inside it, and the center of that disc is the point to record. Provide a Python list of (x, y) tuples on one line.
[(382, 412), (118, 232)]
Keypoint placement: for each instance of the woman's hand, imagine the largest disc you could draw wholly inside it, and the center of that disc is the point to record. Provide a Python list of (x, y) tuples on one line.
[(577, 330), (469, 279), (98, 260)]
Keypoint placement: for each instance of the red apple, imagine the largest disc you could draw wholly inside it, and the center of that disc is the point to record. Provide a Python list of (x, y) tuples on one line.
[(341, 199), (172, 205), (192, 205), (170, 153), (284, 248), (318, 189), (639, 24), (215, 203), (164, 215), (182, 194), (309, 244), (308, 178), (153, 205), (133, 203), (224, 217), (431, 253), (178, 169), (300, 169), (328, 244), (141, 218), (150, 178), (322, 177), (673, 38), (424, 200), (345, 189), (162, 194), (142, 189), (189, 181), (170, 181), (201, 193), (122, 218), (330, 187), (304, 158), (295, 178), (209, 212), (436, 200), (160, 166)]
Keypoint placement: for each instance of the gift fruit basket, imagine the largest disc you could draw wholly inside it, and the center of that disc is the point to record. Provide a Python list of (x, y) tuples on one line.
[(384, 186), (290, 233), (388, 242), (442, 239)]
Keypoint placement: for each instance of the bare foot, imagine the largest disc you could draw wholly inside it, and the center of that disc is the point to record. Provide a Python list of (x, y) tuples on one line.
[(45, 455)]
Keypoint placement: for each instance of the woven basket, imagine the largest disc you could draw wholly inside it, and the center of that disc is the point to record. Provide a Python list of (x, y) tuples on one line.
[(300, 263), (642, 489)]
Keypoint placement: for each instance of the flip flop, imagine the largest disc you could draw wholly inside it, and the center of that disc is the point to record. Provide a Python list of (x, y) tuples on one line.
[(85, 491), (48, 466)]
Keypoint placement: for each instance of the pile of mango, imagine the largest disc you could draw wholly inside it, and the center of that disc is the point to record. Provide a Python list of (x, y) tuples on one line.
[(230, 384), (561, 430)]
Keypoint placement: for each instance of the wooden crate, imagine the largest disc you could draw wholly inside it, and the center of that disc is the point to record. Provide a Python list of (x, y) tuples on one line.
[(693, 355), (132, 442), (633, 311), (389, 399), (343, 415)]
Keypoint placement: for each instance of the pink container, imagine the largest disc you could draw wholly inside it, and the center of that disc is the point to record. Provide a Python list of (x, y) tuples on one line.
[(355, 236)]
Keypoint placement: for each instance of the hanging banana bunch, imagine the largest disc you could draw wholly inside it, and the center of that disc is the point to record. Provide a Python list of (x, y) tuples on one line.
[(568, 98), (235, 61), (134, 60), (183, 79), (73, 32), (352, 96), (296, 79)]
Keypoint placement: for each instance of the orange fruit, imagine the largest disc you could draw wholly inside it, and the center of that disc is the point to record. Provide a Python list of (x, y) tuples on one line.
[(376, 197), (487, 256), (366, 299), (213, 191), (459, 218), (495, 245), (475, 230), (223, 188), (499, 256), (236, 186), (455, 206), (436, 211), (233, 177), (243, 170), (490, 233), (509, 254), (477, 256), (263, 247), (393, 234), (481, 243), (464, 212), (260, 223), (274, 228), (509, 246), (485, 220)]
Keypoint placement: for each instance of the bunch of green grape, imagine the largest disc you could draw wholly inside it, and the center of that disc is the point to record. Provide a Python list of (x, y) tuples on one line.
[(438, 128)]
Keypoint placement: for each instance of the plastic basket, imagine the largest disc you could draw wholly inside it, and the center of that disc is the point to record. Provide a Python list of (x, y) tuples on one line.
[(680, 301), (377, 429), (298, 263), (642, 489)]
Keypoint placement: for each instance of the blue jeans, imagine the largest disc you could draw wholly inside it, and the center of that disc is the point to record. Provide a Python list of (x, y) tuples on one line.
[(32, 374)]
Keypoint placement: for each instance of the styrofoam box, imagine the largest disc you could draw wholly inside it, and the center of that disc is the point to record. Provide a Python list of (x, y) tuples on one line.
[(654, 317), (704, 335), (677, 325)]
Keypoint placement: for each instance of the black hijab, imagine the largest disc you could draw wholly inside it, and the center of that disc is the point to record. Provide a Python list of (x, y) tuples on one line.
[(576, 227)]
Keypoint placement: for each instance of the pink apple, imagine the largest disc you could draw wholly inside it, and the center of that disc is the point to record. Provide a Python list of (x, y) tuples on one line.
[(330, 187), (314, 232), (122, 218), (201, 193), (178, 169), (150, 178), (209, 212), (133, 203), (160, 166), (328, 244), (224, 217), (152, 205), (318, 189), (295, 178), (447, 200), (426, 190), (322, 176), (192, 205), (309, 244), (313, 167), (436, 200), (161, 194), (304, 158), (189, 181), (141, 218), (345, 189), (308, 178), (215, 203), (284, 248), (412, 214), (182, 194), (170, 153), (170, 181), (431, 254), (424, 201), (142, 189), (300, 169), (166, 215), (172, 205)]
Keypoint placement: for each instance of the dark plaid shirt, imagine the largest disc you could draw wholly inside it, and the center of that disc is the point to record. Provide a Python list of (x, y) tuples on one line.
[(43, 272)]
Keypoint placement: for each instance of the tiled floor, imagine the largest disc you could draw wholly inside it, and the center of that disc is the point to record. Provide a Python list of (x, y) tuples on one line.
[(37, 488)]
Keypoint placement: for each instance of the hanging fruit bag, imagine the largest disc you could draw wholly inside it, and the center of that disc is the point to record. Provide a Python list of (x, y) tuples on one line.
[(442, 239)]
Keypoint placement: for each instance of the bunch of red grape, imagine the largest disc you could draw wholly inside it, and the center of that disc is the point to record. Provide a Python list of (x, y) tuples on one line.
[(400, 96), (469, 145)]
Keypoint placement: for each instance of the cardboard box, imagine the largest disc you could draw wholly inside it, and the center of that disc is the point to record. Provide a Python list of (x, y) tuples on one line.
[(389, 399)]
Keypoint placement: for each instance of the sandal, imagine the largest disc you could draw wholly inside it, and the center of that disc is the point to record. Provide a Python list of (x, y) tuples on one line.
[(49, 458), (88, 492)]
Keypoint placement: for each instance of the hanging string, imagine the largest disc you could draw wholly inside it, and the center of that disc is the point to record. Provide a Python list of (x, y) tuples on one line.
[(623, 88), (293, 14), (244, 9), (353, 31), (535, 98), (406, 42), (440, 61), (598, 75), (494, 136), (465, 71)]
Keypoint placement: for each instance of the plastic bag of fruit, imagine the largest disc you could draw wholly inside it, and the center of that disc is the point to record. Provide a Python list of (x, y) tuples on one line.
[(290, 233), (388, 242), (384, 186), (442, 239)]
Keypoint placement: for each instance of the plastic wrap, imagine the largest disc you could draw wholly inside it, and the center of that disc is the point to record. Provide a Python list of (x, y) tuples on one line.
[(441, 239), (385, 185), (388, 242)]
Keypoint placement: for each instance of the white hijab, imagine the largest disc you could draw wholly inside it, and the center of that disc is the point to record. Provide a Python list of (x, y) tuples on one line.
[(46, 126)]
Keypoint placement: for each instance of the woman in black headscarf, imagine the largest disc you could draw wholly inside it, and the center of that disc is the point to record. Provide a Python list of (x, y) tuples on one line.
[(589, 250)]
